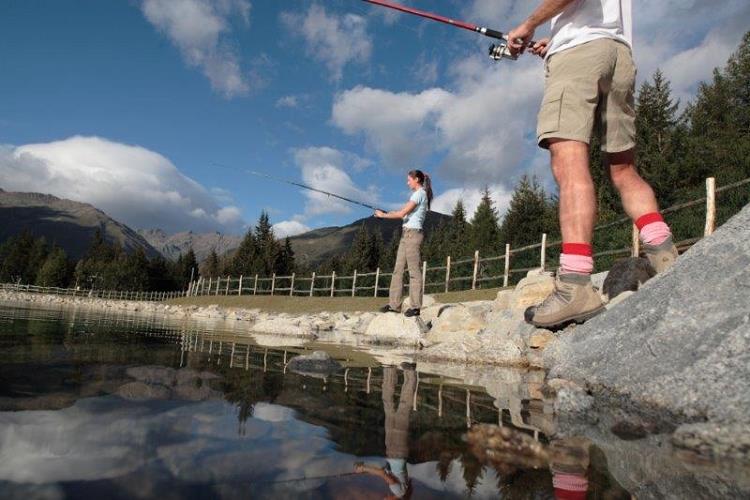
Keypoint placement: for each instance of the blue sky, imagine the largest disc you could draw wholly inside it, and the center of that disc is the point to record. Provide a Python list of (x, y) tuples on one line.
[(131, 105)]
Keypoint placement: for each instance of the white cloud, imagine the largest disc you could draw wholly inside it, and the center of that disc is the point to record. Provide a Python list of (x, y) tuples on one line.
[(289, 228), (134, 185), (445, 201), (198, 28), (325, 168), (333, 40), (482, 128)]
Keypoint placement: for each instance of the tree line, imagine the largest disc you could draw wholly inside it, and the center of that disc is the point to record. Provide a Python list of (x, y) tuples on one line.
[(677, 148)]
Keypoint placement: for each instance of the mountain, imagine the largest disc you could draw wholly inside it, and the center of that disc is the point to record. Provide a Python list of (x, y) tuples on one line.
[(69, 224), (172, 246), (313, 247)]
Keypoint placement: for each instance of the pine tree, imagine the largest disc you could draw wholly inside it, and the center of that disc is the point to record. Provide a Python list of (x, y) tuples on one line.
[(55, 270), (212, 264), (529, 214), (359, 257), (656, 136), (457, 232), (285, 264), (244, 259), (485, 230), (268, 248)]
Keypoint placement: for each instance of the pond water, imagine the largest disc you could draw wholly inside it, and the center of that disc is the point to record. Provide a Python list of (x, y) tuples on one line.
[(106, 405)]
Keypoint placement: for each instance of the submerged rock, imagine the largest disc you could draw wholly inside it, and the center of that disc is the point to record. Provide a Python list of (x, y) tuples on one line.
[(319, 362), (678, 351)]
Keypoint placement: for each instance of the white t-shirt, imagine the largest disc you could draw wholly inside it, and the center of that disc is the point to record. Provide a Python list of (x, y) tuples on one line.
[(586, 20), (415, 219)]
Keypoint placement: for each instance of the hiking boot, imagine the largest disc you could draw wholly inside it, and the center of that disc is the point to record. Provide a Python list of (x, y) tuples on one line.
[(574, 299), (411, 312), (661, 256), (388, 309)]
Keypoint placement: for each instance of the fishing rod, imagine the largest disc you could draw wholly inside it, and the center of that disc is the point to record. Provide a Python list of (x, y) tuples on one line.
[(310, 188), (497, 51)]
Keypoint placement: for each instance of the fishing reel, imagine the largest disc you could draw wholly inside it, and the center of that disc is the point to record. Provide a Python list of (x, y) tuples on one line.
[(500, 51)]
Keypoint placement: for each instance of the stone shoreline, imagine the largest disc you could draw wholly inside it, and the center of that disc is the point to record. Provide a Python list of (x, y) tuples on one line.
[(478, 332)]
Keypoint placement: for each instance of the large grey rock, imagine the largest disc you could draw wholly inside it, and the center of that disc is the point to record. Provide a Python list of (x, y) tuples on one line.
[(678, 351), (319, 362), (457, 321), (391, 328)]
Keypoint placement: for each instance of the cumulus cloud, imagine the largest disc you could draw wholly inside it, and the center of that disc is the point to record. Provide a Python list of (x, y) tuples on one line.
[(325, 168), (198, 28), (481, 127), (134, 185), (289, 228), (446, 200), (331, 39)]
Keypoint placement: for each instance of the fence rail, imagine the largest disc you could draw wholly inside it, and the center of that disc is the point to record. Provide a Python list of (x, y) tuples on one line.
[(97, 294)]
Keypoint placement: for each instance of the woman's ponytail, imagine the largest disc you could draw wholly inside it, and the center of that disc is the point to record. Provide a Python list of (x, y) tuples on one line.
[(425, 182)]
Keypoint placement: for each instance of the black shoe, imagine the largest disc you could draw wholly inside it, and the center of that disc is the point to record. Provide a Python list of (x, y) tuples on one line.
[(411, 312), (388, 309)]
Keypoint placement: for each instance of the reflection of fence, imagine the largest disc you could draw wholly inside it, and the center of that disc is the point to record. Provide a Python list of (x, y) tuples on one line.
[(96, 294), (433, 393), (495, 270)]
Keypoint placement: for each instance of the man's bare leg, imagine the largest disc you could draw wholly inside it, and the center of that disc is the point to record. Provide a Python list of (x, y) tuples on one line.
[(570, 166), (640, 204), (637, 197)]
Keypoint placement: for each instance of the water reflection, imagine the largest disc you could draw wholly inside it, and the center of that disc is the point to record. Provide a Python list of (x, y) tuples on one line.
[(92, 405)]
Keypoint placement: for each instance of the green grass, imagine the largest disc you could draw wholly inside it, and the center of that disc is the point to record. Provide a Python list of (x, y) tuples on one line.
[(311, 305)]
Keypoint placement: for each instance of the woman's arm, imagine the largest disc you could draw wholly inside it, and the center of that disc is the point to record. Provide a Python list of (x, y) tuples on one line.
[(397, 214)]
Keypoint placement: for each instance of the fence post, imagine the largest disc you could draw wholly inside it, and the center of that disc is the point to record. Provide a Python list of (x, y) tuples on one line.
[(333, 282), (424, 278), (710, 206), (507, 265), (636, 242), (239, 288), (447, 273), (255, 285), (544, 251), (377, 279), (210, 284), (312, 284), (354, 283), (229, 280), (218, 282), (291, 287), (273, 283), (476, 268)]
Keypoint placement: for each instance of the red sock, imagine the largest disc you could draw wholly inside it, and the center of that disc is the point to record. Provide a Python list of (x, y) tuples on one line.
[(653, 229), (577, 258)]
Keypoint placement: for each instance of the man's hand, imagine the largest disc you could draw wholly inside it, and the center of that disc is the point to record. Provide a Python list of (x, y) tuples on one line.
[(540, 47), (519, 37)]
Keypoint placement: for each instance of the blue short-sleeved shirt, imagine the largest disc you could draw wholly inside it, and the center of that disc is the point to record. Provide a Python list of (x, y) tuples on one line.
[(415, 219)]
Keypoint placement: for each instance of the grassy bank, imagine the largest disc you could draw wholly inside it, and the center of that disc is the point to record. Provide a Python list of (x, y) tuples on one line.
[(311, 305)]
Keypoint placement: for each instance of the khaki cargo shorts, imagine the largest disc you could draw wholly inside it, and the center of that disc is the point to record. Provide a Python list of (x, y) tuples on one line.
[(592, 84)]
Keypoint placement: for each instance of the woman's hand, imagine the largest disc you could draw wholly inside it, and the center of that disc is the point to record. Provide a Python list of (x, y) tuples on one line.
[(379, 214), (540, 47)]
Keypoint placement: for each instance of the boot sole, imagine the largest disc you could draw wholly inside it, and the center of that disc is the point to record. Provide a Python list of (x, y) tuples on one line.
[(581, 318)]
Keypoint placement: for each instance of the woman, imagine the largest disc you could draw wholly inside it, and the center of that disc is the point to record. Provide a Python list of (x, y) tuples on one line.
[(413, 215)]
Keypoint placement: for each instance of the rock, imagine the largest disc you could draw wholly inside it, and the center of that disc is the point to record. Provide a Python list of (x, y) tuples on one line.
[(393, 328), (427, 301), (714, 441), (619, 299), (678, 351), (540, 338), (284, 326), (319, 362), (531, 291), (456, 321), (502, 301), (627, 275), (598, 279), (140, 391)]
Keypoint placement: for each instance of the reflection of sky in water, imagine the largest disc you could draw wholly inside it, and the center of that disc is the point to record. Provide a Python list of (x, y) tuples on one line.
[(158, 443)]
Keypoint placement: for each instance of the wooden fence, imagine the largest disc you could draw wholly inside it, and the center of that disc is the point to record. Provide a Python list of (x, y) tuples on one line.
[(97, 294), (333, 285)]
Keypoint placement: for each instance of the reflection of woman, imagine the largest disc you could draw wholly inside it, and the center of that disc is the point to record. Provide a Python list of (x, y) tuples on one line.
[(395, 473), (413, 214)]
